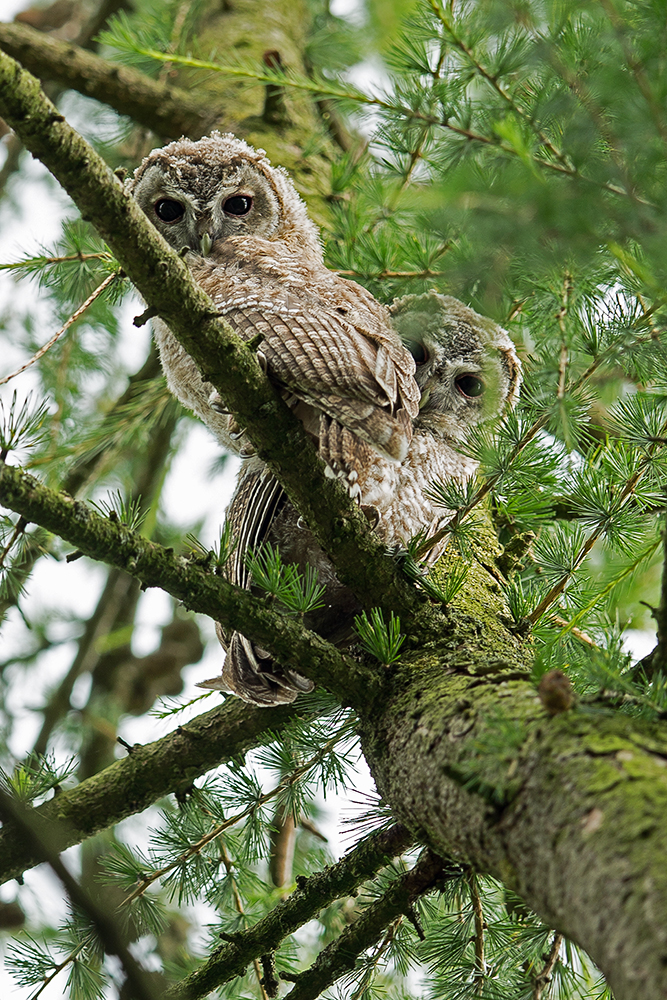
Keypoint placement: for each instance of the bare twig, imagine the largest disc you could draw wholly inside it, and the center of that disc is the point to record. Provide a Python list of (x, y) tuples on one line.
[(238, 904), (478, 914), (73, 318), (543, 978)]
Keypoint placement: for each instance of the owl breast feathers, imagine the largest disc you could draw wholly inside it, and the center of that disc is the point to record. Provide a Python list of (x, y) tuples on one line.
[(324, 340)]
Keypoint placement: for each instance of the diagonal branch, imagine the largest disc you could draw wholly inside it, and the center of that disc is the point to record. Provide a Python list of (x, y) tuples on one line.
[(147, 774), (341, 956), (167, 285), (167, 111), (107, 540), (312, 895), (139, 983)]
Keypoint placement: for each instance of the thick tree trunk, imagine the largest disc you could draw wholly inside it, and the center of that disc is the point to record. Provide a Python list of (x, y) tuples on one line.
[(570, 811)]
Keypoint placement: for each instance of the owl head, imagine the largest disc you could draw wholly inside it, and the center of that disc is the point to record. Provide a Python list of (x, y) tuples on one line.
[(467, 367), (217, 188)]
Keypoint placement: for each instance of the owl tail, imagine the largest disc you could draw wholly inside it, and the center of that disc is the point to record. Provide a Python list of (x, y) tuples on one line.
[(253, 675)]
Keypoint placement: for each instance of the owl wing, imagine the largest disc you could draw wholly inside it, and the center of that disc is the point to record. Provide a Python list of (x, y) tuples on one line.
[(322, 359), (248, 670)]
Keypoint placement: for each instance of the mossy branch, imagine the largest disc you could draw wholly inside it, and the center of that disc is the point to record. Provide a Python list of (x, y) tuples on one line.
[(312, 895), (164, 280), (341, 955), (199, 589), (167, 111), (147, 774)]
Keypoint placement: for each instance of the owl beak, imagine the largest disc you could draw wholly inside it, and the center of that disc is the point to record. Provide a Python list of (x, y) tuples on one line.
[(426, 395), (205, 243)]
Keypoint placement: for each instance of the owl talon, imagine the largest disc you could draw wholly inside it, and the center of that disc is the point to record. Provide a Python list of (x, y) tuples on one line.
[(216, 402), (371, 513)]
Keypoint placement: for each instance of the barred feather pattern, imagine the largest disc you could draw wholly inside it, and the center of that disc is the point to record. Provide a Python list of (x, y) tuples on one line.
[(457, 349), (326, 341)]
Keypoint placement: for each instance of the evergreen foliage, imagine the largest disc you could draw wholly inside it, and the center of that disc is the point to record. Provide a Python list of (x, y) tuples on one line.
[(511, 154)]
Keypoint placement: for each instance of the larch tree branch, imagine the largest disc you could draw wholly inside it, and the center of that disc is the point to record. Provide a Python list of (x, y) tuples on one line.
[(141, 984), (195, 585), (146, 774), (312, 895), (341, 955), (568, 809)]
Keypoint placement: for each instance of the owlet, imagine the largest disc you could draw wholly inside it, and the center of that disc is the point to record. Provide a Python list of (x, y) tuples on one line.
[(325, 341)]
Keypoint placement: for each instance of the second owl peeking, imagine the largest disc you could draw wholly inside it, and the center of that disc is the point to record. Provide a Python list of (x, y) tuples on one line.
[(381, 422)]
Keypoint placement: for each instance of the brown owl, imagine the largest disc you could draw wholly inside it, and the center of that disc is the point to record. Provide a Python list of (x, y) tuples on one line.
[(468, 372), (325, 341)]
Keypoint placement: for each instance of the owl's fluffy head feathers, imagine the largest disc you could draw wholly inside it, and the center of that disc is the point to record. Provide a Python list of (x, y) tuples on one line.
[(219, 187), (467, 367)]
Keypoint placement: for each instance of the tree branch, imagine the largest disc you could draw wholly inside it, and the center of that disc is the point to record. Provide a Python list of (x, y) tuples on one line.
[(167, 111), (164, 280), (340, 956), (312, 895), (113, 941), (147, 774), (107, 540)]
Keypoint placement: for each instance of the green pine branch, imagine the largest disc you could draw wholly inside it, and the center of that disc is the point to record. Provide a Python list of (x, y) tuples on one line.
[(107, 540), (312, 895), (145, 775), (166, 110)]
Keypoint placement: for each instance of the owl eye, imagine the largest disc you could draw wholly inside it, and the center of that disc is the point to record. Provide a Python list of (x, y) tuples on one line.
[(470, 385), (168, 210), (238, 204), (418, 352)]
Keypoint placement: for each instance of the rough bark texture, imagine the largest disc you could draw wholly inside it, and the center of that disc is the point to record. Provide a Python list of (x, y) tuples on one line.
[(569, 811)]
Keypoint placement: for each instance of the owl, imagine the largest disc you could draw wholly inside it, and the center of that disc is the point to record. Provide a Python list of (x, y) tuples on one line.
[(468, 372), (324, 341)]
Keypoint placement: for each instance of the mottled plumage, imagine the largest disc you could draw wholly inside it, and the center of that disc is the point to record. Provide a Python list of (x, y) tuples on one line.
[(467, 372), (325, 340)]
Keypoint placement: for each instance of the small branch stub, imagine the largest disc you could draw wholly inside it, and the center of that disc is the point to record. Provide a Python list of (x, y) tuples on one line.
[(556, 692)]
